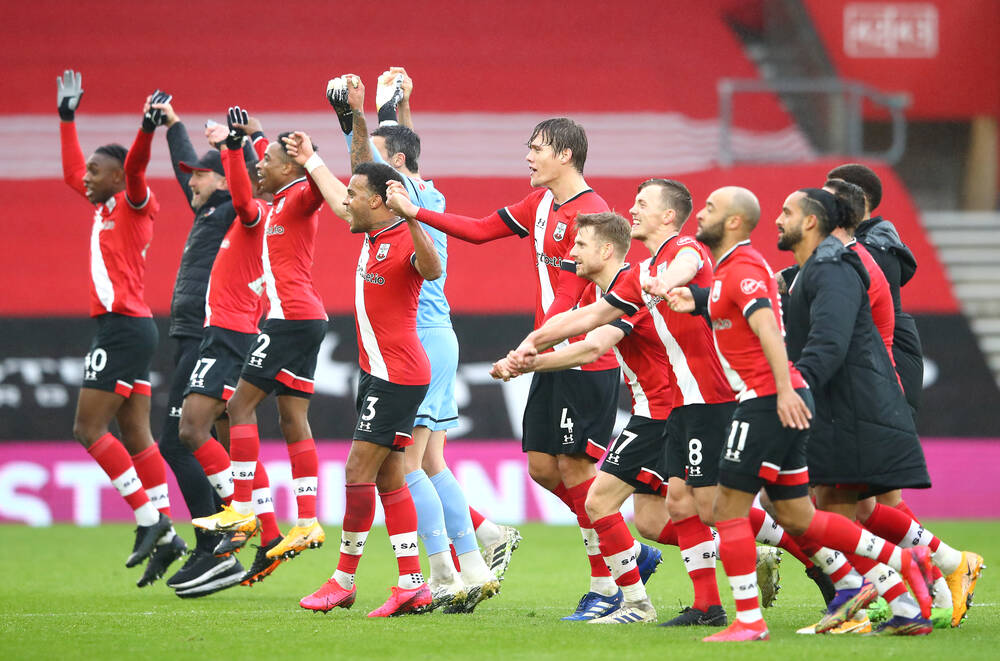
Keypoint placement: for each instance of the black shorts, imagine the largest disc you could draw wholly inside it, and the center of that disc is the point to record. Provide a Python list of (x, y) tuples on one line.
[(571, 412), (760, 452), (695, 436), (120, 355), (282, 357), (386, 411), (638, 456), (220, 361)]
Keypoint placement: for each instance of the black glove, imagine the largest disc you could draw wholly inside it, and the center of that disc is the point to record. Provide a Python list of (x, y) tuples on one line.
[(336, 94), (387, 97), (69, 90), (154, 116), (236, 133)]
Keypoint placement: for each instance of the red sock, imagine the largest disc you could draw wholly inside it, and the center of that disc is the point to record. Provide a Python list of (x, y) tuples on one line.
[(578, 496), (668, 535), (888, 522), (757, 518), (214, 461), (562, 493), (359, 514), (401, 524), (616, 544), (841, 534), (244, 448), (454, 557), (305, 472), (152, 472), (263, 505), (905, 509), (698, 551), (113, 458), (738, 552), (477, 518)]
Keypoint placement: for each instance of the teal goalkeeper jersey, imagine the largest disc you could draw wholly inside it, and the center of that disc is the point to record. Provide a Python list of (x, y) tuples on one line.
[(433, 310)]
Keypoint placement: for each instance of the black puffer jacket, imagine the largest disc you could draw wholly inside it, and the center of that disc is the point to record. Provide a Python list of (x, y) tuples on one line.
[(898, 264), (211, 222), (863, 432)]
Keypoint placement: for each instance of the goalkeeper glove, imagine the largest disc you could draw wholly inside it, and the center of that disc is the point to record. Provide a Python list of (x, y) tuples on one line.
[(336, 94), (388, 94), (69, 90)]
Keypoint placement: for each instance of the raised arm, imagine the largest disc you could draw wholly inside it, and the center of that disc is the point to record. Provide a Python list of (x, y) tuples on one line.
[(69, 89), (179, 143), (474, 230), (333, 190), (426, 259), (136, 189), (238, 178)]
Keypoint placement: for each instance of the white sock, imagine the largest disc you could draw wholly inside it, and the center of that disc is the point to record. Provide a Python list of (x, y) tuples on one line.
[(305, 523), (488, 533), (241, 508), (603, 585), (946, 558), (146, 515), (411, 581), (442, 568), (344, 579), (942, 595), (474, 569)]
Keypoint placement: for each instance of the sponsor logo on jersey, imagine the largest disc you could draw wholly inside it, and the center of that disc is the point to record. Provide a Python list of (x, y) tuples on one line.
[(721, 324), (225, 243), (383, 251), (749, 285), (559, 232), (274, 229), (716, 290), (107, 225), (548, 261), (373, 278)]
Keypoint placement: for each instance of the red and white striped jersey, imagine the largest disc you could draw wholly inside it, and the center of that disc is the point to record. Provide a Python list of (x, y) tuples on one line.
[(386, 293), (119, 239), (287, 255), (696, 375), (234, 299), (552, 228), (642, 358), (743, 284)]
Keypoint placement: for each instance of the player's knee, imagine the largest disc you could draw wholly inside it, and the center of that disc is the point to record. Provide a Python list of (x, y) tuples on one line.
[(86, 432), (545, 476), (596, 507), (190, 434), (680, 507), (647, 526)]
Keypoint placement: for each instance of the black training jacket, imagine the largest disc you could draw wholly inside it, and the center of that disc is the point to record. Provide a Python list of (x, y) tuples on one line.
[(211, 222), (863, 432)]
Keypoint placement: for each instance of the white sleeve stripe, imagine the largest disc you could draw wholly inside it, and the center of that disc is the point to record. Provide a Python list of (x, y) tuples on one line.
[(144, 202)]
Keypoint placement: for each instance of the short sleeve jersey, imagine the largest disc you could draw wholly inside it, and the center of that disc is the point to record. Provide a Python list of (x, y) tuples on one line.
[(119, 239), (287, 255), (696, 375), (642, 358), (743, 284), (879, 296), (234, 299), (386, 294), (552, 228)]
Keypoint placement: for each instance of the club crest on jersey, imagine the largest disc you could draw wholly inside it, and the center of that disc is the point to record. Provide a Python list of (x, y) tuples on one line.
[(749, 285), (559, 232), (716, 290), (383, 252)]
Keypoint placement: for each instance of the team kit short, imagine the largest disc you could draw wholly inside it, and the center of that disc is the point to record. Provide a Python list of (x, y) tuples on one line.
[(760, 452), (695, 436), (386, 411), (220, 361), (282, 358), (120, 355), (439, 411), (638, 456), (571, 412)]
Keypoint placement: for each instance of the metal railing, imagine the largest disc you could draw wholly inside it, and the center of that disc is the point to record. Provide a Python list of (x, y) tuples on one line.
[(837, 121)]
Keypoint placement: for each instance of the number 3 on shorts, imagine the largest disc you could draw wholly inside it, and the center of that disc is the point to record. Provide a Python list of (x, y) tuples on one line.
[(369, 407)]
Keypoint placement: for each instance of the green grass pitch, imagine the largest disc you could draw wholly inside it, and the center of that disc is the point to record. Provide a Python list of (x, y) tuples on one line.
[(66, 594)]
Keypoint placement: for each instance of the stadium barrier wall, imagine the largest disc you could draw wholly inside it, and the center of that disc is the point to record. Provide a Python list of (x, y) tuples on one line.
[(42, 483)]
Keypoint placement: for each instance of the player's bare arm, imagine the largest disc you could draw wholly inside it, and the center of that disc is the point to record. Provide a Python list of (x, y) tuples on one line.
[(361, 151), (680, 299), (567, 324), (299, 147), (792, 411), (426, 259), (679, 272), (597, 342)]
